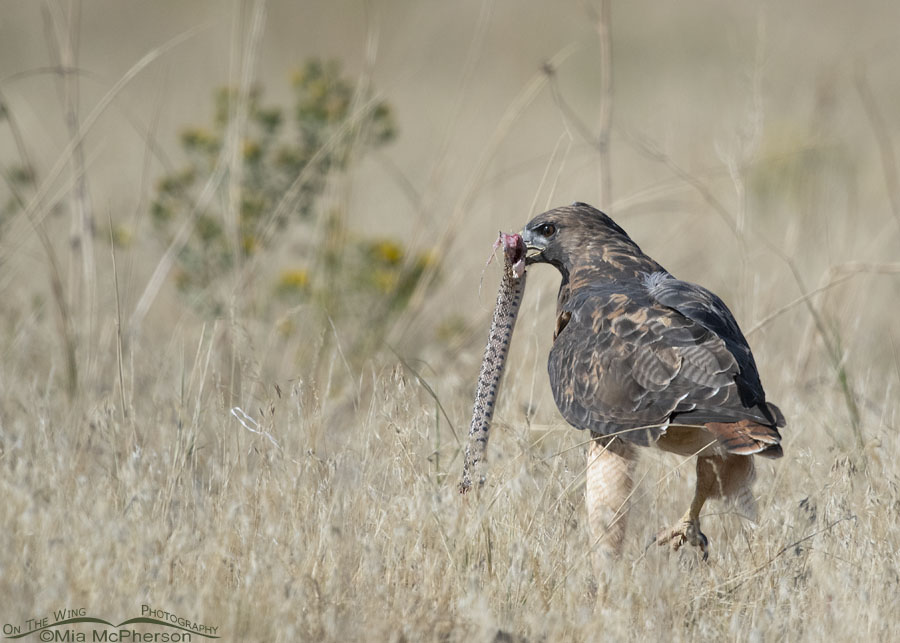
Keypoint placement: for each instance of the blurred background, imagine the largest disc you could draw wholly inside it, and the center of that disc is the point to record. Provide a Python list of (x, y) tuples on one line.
[(746, 130), (208, 205)]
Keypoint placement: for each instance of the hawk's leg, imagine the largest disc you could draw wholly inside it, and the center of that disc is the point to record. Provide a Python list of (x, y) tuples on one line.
[(717, 476), (610, 467)]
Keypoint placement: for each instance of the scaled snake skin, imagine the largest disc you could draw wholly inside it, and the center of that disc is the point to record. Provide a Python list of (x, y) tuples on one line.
[(509, 299)]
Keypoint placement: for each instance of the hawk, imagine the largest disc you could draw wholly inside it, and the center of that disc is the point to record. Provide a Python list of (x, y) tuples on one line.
[(640, 358)]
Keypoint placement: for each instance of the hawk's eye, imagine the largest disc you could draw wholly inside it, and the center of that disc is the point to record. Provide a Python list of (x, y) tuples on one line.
[(546, 230)]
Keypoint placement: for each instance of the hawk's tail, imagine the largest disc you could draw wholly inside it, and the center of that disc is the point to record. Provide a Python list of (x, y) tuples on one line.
[(776, 414), (748, 438)]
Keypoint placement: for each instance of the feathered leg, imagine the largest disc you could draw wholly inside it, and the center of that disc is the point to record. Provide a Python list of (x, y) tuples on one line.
[(610, 467), (717, 477)]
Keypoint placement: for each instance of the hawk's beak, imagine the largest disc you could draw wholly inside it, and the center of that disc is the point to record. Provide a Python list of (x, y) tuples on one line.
[(533, 248)]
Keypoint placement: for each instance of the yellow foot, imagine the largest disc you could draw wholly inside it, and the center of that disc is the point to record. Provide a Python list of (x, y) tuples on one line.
[(687, 532)]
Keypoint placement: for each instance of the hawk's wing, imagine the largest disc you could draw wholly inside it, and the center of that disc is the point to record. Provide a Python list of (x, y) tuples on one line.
[(705, 308), (633, 356)]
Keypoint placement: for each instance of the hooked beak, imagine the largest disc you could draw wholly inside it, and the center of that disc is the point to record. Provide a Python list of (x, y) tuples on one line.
[(533, 247)]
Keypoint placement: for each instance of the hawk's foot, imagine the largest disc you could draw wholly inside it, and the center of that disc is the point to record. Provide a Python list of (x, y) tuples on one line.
[(687, 532)]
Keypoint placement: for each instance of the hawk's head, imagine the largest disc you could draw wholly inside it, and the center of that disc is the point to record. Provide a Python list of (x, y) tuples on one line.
[(572, 234)]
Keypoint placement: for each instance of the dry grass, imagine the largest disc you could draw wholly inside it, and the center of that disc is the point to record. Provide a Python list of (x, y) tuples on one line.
[(338, 519)]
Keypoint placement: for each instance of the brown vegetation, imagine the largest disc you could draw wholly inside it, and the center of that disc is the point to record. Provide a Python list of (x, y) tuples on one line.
[(286, 469)]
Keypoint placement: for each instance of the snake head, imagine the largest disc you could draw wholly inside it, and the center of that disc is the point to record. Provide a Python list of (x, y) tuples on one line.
[(514, 249)]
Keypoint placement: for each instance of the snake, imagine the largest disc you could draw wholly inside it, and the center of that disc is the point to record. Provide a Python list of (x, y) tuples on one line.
[(506, 310)]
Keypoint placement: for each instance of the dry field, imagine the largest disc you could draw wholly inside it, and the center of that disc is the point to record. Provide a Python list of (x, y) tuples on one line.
[(286, 471)]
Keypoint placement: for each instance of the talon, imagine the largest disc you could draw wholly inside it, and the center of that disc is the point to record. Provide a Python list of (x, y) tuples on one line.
[(703, 544), (687, 532)]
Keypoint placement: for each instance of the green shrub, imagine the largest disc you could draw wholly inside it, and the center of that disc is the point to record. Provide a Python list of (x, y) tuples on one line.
[(288, 157)]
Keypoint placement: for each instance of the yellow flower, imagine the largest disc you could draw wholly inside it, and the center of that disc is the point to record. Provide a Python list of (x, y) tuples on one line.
[(296, 279), (249, 244), (197, 137), (252, 151), (122, 236), (429, 258), (385, 280), (388, 251)]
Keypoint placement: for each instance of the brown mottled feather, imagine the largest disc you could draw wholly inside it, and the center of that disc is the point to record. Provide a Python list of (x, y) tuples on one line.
[(747, 438), (636, 350), (561, 322), (650, 359)]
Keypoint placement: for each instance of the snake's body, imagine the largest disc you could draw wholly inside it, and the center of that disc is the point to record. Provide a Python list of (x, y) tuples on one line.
[(509, 299)]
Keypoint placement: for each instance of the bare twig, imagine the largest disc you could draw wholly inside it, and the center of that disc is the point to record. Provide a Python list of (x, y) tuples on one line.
[(835, 276), (244, 52), (21, 148), (112, 252), (569, 115), (833, 349), (165, 263), (649, 149), (802, 299), (246, 422), (65, 30), (603, 24), (15, 237), (430, 391), (882, 139), (64, 321), (748, 575), (446, 237), (244, 65)]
